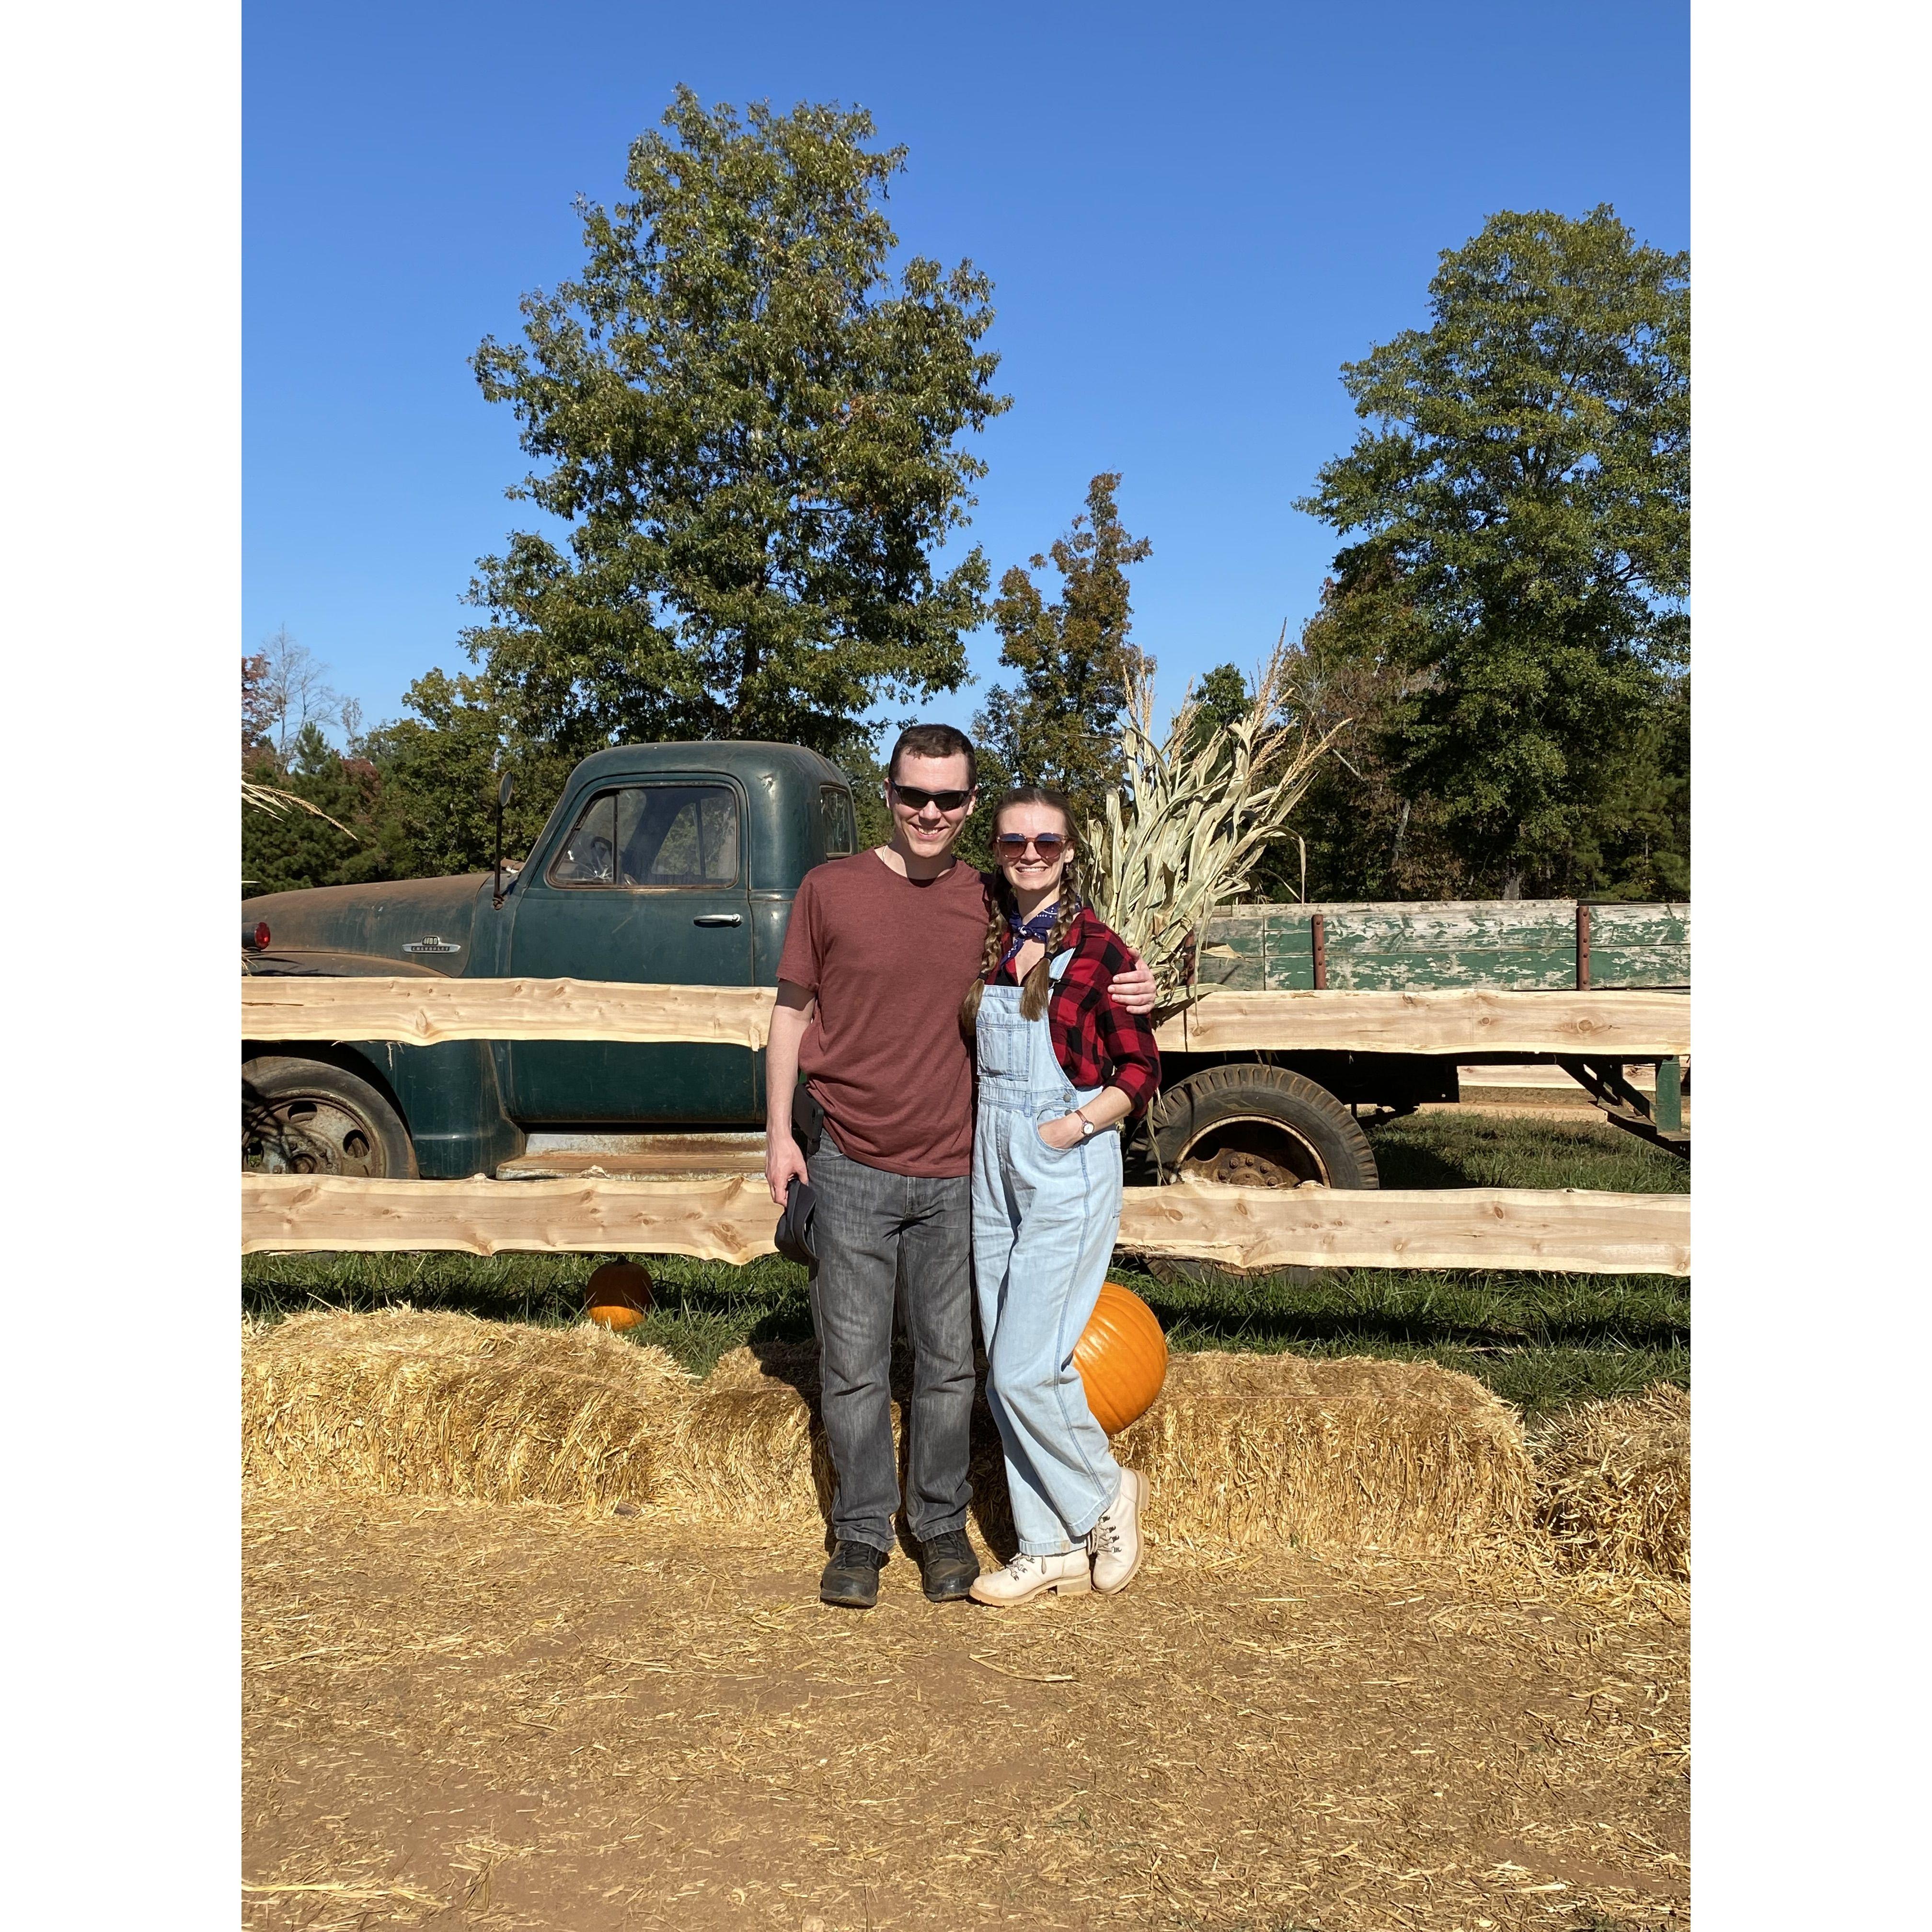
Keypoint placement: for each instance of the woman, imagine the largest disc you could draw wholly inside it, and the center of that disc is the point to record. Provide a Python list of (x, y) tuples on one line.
[(1061, 1067)]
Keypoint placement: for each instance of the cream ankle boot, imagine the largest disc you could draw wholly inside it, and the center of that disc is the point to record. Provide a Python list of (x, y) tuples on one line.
[(1115, 1540), (1027, 1577)]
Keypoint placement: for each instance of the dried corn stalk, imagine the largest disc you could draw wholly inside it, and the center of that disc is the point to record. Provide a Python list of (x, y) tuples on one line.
[(1190, 819), (275, 802)]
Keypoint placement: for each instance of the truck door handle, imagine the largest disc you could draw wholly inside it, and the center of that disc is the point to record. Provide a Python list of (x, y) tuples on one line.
[(719, 918)]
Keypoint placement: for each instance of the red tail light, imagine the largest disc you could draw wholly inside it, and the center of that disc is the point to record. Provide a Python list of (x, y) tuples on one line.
[(255, 938)]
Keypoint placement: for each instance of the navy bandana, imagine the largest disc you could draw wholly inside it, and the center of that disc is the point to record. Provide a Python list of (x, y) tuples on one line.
[(1040, 927)]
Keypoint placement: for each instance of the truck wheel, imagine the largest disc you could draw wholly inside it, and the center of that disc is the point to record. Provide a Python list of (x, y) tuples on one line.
[(308, 1117), (1247, 1125)]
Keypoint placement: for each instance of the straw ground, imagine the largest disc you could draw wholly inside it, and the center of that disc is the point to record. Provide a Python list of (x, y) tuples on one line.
[(541, 1713), (516, 1716)]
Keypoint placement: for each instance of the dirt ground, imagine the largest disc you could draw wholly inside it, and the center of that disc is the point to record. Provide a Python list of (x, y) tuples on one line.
[(511, 1716)]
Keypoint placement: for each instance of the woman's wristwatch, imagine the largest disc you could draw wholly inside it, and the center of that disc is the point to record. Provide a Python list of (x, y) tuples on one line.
[(1086, 1126)]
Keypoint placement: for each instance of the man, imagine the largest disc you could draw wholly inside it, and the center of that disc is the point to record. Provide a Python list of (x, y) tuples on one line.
[(881, 948)]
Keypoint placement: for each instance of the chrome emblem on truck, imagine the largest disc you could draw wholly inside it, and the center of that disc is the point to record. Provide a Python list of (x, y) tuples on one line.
[(432, 946)]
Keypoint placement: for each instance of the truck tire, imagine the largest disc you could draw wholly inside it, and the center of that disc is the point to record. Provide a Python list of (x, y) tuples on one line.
[(1247, 1125), (310, 1116)]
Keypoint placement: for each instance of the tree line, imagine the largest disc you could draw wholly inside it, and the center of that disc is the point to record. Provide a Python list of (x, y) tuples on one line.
[(752, 430)]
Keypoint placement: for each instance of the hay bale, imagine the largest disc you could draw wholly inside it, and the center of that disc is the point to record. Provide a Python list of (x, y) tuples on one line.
[(741, 1452), (447, 1405), (775, 1388), (1613, 1485), (1403, 1457)]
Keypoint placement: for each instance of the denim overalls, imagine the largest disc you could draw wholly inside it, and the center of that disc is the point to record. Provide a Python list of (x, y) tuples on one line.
[(1044, 1222)]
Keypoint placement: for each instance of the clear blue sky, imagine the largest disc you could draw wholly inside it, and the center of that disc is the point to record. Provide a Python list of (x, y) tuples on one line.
[(1192, 216)]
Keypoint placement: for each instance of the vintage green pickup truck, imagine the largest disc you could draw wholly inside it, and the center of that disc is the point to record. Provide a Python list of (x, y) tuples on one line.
[(677, 864)]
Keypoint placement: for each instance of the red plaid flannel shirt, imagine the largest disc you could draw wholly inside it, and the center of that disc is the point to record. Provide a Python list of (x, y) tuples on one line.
[(1097, 1042)]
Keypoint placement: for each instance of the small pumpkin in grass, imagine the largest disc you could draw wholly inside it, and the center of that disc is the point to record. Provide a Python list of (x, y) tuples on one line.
[(619, 1296), (1122, 1357)]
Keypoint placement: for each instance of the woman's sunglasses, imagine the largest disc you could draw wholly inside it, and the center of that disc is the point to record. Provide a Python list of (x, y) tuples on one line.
[(1013, 845), (912, 795)]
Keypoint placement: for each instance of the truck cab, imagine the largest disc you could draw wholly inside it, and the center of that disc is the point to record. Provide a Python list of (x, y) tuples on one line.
[(669, 864)]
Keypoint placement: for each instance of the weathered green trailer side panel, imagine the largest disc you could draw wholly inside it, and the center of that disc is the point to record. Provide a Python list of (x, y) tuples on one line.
[(1639, 946), (1527, 945)]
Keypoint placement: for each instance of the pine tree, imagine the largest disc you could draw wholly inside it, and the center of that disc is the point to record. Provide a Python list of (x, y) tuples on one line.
[(1060, 723)]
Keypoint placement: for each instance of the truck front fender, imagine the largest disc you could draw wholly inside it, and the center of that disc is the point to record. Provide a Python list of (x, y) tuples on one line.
[(448, 1095)]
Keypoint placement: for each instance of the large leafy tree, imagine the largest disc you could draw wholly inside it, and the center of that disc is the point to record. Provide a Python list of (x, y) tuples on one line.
[(1360, 834), (1520, 509), (1059, 724), (751, 428), (440, 770)]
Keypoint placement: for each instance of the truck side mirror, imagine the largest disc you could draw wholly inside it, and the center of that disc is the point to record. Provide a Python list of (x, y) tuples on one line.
[(503, 799)]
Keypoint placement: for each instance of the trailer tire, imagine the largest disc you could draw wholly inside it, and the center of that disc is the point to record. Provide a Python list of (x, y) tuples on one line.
[(1250, 1125), (311, 1117)]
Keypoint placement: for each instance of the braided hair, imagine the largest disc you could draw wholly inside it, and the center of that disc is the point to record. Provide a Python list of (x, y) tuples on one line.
[(1038, 986)]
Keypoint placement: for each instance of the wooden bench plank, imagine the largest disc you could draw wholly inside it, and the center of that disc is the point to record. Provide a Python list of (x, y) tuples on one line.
[(422, 1012), (425, 1012), (733, 1220), (1632, 1025)]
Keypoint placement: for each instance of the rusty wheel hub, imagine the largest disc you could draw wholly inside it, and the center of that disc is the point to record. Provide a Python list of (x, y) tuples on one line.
[(1235, 1167), (1253, 1153), (297, 1135)]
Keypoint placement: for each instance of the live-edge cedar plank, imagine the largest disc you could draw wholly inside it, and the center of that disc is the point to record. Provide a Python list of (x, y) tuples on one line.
[(1607, 1025), (1563, 1229), (729, 1219), (423, 1012), (733, 1219)]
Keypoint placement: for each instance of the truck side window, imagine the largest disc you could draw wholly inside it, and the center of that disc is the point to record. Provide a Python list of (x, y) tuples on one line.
[(835, 821), (670, 836), (587, 855)]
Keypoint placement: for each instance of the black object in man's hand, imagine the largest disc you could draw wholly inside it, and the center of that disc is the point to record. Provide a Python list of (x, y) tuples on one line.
[(794, 1238)]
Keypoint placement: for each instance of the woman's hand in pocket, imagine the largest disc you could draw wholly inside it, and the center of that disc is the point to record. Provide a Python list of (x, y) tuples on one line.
[(1069, 1130)]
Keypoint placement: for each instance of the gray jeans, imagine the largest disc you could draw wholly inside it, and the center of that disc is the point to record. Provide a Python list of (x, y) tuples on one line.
[(870, 1229)]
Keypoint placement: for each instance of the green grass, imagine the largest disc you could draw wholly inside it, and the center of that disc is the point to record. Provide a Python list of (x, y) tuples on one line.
[(704, 1308), (1540, 1341), (1451, 1149)]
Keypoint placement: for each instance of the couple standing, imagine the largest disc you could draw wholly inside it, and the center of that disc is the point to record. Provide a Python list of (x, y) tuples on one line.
[(904, 973)]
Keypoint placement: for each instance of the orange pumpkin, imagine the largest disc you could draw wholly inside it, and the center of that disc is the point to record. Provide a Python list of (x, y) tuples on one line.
[(619, 1296), (1122, 1357)]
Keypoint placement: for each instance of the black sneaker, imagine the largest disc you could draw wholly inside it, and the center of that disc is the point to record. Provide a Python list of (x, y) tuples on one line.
[(851, 1578), (947, 1566)]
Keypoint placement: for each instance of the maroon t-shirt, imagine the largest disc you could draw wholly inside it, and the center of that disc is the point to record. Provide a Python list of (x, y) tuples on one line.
[(889, 960)]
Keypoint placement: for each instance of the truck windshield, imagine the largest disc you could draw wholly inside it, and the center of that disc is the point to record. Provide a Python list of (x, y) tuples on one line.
[(653, 838), (585, 859)]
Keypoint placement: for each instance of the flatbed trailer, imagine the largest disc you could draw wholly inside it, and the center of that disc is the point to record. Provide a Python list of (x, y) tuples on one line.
[(1519, 945)]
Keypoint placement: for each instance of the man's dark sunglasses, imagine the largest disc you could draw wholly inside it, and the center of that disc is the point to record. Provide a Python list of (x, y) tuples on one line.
[(1013, 845), (912, 795)]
